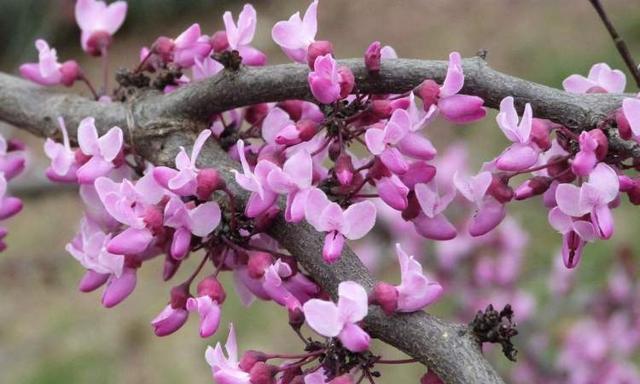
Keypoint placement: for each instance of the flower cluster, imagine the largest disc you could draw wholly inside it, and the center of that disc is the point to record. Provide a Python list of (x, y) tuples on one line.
[(12, 163)]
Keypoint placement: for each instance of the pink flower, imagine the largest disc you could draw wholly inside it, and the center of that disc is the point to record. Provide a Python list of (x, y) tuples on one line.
[(631, 111), (209, 311), (102, 151), (324, 80), (275, 288), (295, 35), (190, 46), (523, 153), (601, 79), (385, 142), (326, 216), (226, 369), (169, 320), (89, 247), (340, 320), (592, 198), (200, 221), (277, 127), (48, 71), (240, 35), (183, 181), (295, 180), (119, 287), (317, 377), (431, 223), (489, 211), (415, 291), (454, 107), (98, 23), (576, 233), (205, 68), (262, 196), (393, 192), (585, 160), (63, 160)]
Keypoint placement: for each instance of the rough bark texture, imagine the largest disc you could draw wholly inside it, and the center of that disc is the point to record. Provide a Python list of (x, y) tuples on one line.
[(157, 125)]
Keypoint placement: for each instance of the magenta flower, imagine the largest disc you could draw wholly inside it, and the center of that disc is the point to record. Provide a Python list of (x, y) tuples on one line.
[(205, 68), (385, 142), (119, 287), (393, 192), (274, 285), (489, 211), (102, 151), (294, 180), (326, 216), (340, 320), (575, 234), (523, 153), (209, 312), (9, 205), (183, 181), (631, 111), (295, 35), (190, 46), (262, 196), (601, 79), (278, 128), (48, 71), (63, 160), (240, 35), (199, 221), (98, 23), (415, 291), (12, 158), (131, 205), (226, 369), (89, 247), (432, 223), (585, 160), (169, 320), (592, 198), (453, 106), (324, 80)]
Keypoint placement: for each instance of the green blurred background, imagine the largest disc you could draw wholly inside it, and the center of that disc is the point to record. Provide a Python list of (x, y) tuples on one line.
[(50, 333)]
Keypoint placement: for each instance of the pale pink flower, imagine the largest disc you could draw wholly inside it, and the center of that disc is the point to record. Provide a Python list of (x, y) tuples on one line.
[(98, 23), (601, 79), (226, 369), (340, 320), (294, 180), (296, 34), (431, 222), (189, 46), (262, 196), (63, 160), (489, 211), (384, 142), (585, 160), (209, 312), (48, 71), (576, 233), (326, 216), (324, 80), (102, 151), (631, 111), (240, 35), (204, 68), (89, 247), (187, 220), (415, 291), (119, 287), (523, 153), (169, 320)]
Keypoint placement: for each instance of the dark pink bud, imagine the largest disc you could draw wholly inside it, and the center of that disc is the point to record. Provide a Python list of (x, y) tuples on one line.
[(381, 108), (344, 169), (296, 318), (413, 208), (372, 57), (70, 72), (428, 91), (98, 42), (344, 379), (208, 181), (626, 183), (15, 145), (634, 195), (258, 262), (386, 296), (219, 41), (292, 107), (262, 373), (163, 47), (603, 143), (92, 281), (250, 358), (624, 129), (535, 186), (119, 288), (560, 171), (500, 189), (170, 267), (179, 295), (430, 378), (419, 172), (318, 48), (540, 133), (347, 81), (307, 129), (256, 113), (210, 286), (335, 150)]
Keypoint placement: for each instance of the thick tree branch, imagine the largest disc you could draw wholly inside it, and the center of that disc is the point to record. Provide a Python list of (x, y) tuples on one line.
[(157, 125)]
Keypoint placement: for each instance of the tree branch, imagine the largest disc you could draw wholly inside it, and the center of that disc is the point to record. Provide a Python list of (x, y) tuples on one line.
[(157, 125)]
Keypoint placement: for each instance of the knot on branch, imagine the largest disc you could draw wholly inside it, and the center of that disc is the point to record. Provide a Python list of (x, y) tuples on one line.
[(491, 326), (230, 59)]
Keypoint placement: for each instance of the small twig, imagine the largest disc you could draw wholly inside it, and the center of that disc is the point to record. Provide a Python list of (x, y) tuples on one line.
[(618, 41)]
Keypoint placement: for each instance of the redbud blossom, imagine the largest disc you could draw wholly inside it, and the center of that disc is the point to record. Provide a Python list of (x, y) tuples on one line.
[(296, 34), (98, 23), (226, 369), (48, 71), (601, 79)]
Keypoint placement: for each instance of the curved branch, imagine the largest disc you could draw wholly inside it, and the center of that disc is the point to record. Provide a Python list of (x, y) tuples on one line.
[(157, 125)]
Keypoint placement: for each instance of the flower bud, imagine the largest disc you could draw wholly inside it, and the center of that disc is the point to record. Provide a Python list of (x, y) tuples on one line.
[(292, 107), (262, 373), (535, 186), (318, 48), (250, 358), (626, 183), (335, 150), (169, 320), (540, 134), (70, 71), (258, 262), (603, 143), (170, 267), (386, 296), (500, 189), (372, 57), (624, 128), (381, 109), (163, 47), (92, 281), (296, 318), (428, 91), (208, 181), (179, 295), (210, 286), (219, 41), (98, 42), (119, 288), (344, 169), (347, 81)]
